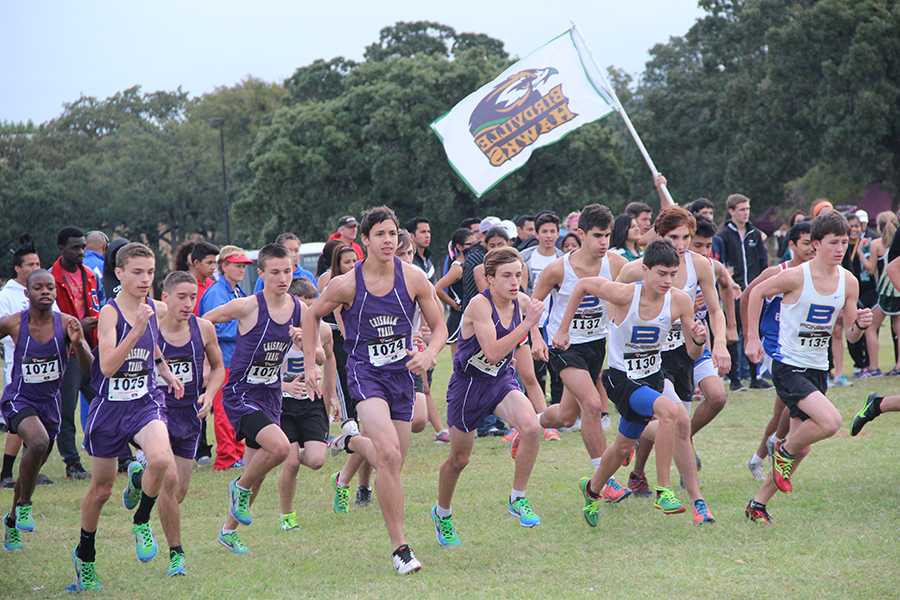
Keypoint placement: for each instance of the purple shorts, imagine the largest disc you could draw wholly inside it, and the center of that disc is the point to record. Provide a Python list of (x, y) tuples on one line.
[(112, 425), (17, 409), (471, 399), (184, 429), (264, 400), (397, 388)]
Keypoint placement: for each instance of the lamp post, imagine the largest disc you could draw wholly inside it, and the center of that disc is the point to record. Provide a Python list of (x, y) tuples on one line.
[(219, 123)]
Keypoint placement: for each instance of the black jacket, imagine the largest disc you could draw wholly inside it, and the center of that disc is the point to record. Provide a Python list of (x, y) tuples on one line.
[(747, 258)]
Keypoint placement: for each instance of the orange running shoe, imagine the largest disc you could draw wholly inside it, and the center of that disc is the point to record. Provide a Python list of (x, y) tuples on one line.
[(551, 435), (613, 493)]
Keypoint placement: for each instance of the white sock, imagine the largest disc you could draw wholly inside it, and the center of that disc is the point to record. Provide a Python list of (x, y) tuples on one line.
[(516, 494), (339, 483), (442, 512), (755, 460), (226, 530), (595, 462)]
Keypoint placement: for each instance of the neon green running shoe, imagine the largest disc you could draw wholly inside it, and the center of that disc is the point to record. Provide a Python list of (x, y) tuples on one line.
[(144, 542), (289, 522), (85, 575), (668, 502), (591, 508), (176, 564), (341, 503), (444, 530), (24, 517), (131, 495), (523, 510), (871, 410), (231, 541), (239, 502), (12, 537)]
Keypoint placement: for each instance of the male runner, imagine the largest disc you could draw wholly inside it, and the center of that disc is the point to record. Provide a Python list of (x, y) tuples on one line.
[(634, 379), (579, 365), (187, 343), (801, 251), (127, 408), (814, 296), (268, 323), (31, 399), (378, 300), (484, 382)]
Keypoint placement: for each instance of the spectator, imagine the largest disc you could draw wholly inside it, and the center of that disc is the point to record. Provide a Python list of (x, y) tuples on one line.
[(855, 262), (292, 244), (537, 258), (474, 257), (420, 230), (347, 230), (202, 265), (882, 251), (232, 265), (472, 224), (323, 265), (94, 255), (740, 247), (702, 207), (570, 242), (626, 235), (525, 230), (642, 213), (76, 295), (111, 283)]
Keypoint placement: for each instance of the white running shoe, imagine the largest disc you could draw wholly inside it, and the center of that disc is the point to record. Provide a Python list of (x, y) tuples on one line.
[(405, 561), (576, 426), (756, 468)]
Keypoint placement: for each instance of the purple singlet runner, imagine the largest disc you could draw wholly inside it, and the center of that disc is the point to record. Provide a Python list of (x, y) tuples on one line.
[(478, 386), (186, 363), (378, 337), (37, 373), (126, 402), (254, 383)]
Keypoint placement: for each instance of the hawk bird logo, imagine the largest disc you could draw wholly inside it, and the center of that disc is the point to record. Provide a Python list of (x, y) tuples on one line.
[(517, 91)]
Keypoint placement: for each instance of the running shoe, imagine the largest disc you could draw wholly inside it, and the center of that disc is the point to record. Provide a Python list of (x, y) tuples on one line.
[(144, 543), (842, 381), (521, 509), (757, 513), (85, 575), (204, 460), (736, 386), (762, 384), (43, 480), (231, 541), (638, 485), (289, 522), (12, 537), (591, 508), (176, 564), (668, 502), (131, 495), (442, 437), (702, 514), (239, 502), (338, 444), (7, 483), (341, 502), (510, 435), (551, 435), (363, 496), (514, 444), (782, 469), (405, 561), (614, 493), (24, 518), (444, 530), (893, 372), (756, 468), (868, 412), (76, 471), (576, 426)]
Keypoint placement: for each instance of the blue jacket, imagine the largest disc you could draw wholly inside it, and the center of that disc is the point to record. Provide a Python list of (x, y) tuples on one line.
[(216, 295), (94, 261), (298, 273)]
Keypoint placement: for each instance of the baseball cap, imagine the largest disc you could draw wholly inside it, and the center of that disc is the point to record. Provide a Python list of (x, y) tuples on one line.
[(234, 255), (862, 215), (510, 228), (347, 221), (488, 223)]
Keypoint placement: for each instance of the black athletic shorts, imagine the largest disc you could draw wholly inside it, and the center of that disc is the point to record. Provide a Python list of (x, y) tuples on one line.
[(454, 321), (587, 356), (793, 384), (16, 420), (249, 427), (304, 420), (678, 367)]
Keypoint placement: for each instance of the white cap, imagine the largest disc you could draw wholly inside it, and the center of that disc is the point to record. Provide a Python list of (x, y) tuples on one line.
[(488, 223), (511, 230), (862, 215)]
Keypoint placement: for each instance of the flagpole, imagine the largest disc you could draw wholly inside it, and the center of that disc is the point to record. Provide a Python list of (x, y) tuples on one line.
[(628, 124)]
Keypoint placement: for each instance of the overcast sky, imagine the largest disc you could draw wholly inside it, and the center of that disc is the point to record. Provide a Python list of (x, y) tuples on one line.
[(52, 52)]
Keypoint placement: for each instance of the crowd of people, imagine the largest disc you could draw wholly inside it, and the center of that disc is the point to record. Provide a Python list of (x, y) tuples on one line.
[(548, 321)]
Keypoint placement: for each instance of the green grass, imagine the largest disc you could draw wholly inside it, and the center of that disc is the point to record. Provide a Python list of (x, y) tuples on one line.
[(836, 535)]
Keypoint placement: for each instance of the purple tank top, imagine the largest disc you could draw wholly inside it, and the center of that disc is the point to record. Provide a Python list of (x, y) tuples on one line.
[(186, 363), (38, 368), (259, 353), (136, 378), (469, 358), (378, 329)]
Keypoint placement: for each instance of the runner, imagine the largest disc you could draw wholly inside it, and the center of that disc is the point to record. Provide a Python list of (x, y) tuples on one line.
[(378, 301), (484, 382), (800, 364), (268, 322), (127, 409), (635, 377), (31, 400)]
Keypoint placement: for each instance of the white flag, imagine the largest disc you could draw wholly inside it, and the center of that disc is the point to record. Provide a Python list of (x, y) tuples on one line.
[(535, 102)]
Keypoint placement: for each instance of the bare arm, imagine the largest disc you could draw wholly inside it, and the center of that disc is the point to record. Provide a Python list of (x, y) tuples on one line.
[(79, 345), (631, 272), (234, 310), (478, 314), (602, 288), (893, 272), (433, 317), (550, 278), (340, 292), (326, 339), (782, 283), (454, 274), (113, 356), (745, 296), (859, 319), (480, 279), (694, 331), (872, 262), (721, 357)]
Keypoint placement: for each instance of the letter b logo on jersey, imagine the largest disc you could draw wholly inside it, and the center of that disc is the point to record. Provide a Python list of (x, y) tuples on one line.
[(644, 335), (819, 314)]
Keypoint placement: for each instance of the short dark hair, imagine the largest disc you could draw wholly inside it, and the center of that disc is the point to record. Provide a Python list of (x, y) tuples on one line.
[(467, 223), (67, 233), (36, 273), (798, 230), (176, 278), (496, 232), (705, 228), (522, 219), (460, 236), (203, 249), (413, 224), (132, 250), (26, 247), (700, 204), (543, 218), (287, 235), (376, 215), (635, 209), (662, 253), (270, 251), (595, 216), (303, 288), (832, 222)]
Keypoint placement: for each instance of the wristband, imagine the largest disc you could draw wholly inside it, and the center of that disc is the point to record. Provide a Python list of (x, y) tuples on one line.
[(158, 360)]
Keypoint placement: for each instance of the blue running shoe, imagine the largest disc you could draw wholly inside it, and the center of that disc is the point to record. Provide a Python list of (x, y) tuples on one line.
[(231, 541), (85, 575), (176, 564), (444, 530), (24, 518), (239, 504), (12, 537), (144, 543), (131, 495), (521, 508)]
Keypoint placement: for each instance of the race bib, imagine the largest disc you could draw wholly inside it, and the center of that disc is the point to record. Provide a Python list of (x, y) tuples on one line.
[(40, 370), (182, 369), (263, 374), (673, 338), (387, 352), (587, 325), (814, 339), (480, 362), (124, 388), (642, 364)]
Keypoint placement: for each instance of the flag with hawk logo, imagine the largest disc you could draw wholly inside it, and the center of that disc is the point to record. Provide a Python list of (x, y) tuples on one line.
[(535, 102)]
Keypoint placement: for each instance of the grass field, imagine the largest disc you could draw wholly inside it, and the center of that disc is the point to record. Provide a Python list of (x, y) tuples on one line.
[(836, 536)]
